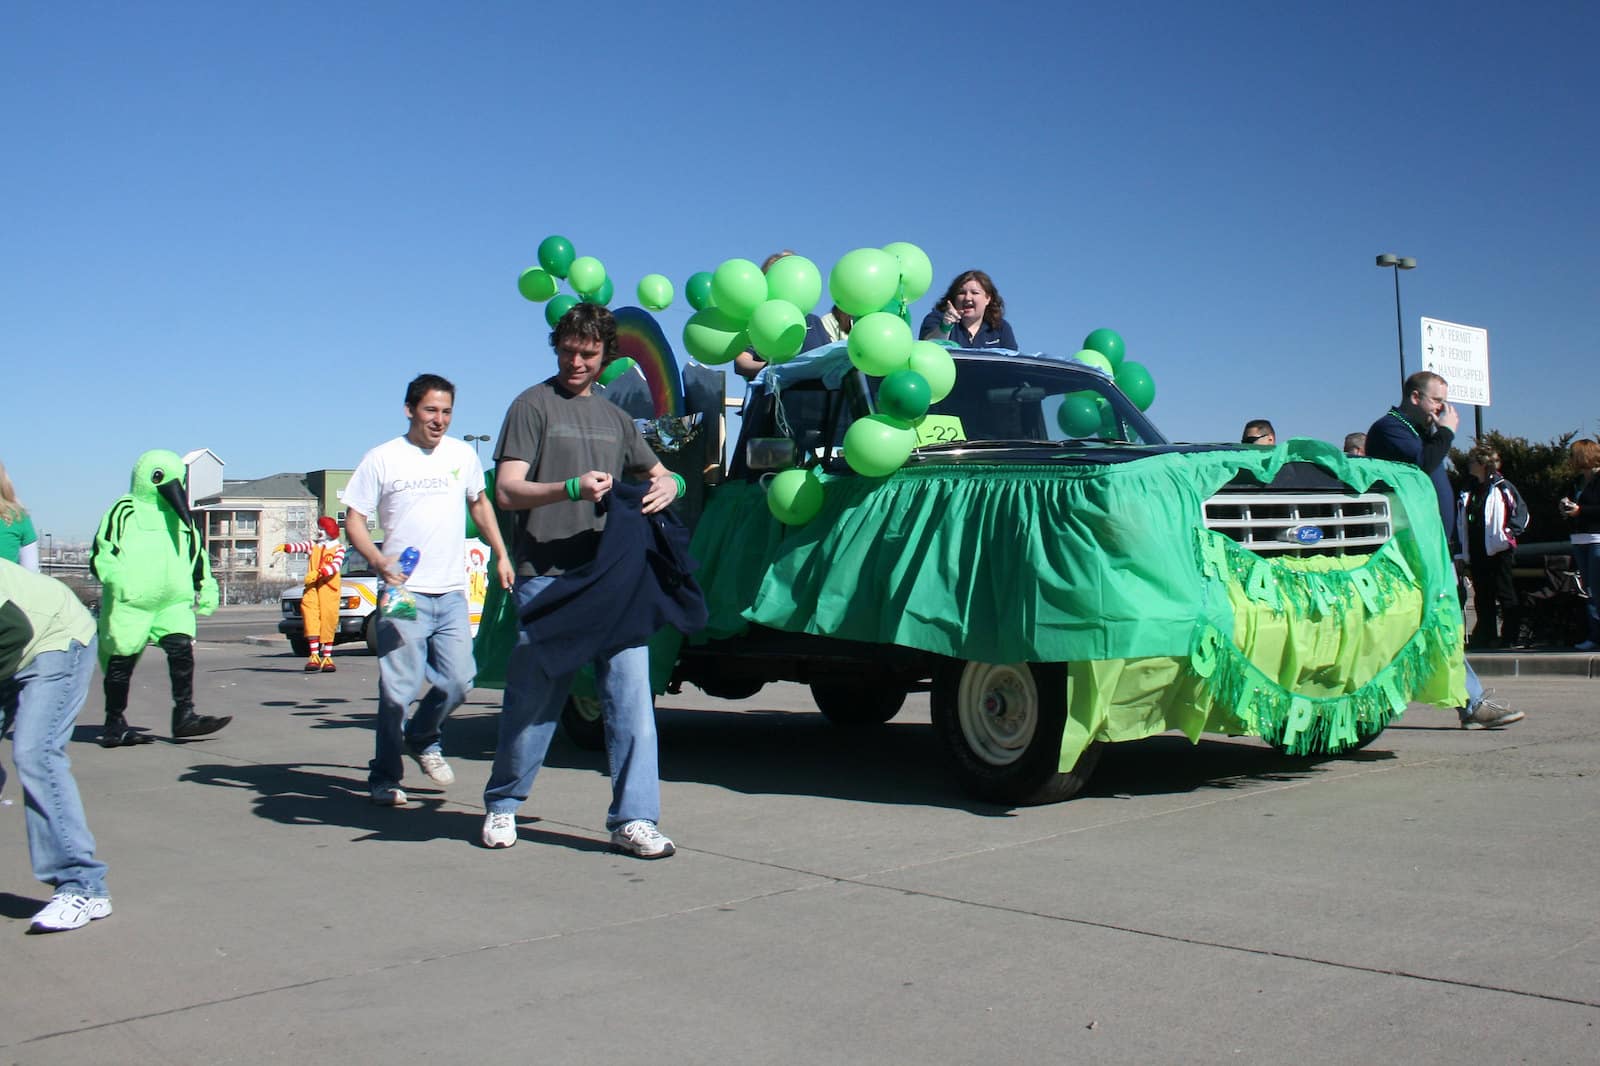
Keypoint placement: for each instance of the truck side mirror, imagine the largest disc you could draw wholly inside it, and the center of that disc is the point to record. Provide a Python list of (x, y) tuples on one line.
[(770, 453)]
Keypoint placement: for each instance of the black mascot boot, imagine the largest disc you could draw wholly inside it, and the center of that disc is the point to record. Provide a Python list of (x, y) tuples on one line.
[(117, 734), (180, 668), (186, 724)]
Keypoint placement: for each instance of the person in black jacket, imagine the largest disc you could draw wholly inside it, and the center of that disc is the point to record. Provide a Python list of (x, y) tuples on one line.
[(1490, 516), (1419, 431), (1581, 507), (562, 450)]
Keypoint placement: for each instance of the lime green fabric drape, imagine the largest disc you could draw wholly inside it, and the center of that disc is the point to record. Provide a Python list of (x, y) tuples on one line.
[(1109, 569)]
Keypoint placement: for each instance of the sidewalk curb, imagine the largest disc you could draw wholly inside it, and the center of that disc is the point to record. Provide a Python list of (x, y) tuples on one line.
[(1535, 664)]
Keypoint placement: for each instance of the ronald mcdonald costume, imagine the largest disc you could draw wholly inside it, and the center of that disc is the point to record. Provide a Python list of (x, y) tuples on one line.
[(319, 607), (148, 556)]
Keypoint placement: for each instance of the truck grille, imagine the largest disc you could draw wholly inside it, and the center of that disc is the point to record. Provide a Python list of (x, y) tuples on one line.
[(1302, 523)]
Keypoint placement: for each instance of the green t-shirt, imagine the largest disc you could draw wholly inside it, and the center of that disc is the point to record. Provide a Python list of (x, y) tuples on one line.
[(14, 533), (561, 436)]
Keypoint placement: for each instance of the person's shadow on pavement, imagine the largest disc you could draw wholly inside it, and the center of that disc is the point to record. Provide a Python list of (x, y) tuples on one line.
[(302, 794)]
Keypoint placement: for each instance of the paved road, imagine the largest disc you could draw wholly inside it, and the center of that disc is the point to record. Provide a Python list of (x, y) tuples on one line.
[(1430, 900)]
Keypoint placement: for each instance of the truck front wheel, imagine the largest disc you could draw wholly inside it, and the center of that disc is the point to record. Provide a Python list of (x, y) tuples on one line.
[(300, 646), (369, 632), (853, 706), (1000, 726)]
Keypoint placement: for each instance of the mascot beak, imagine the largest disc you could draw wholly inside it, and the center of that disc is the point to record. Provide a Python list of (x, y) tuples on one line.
[(173, 493)]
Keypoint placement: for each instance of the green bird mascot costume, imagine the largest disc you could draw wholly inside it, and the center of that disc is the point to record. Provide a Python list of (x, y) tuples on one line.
[(149, 557)]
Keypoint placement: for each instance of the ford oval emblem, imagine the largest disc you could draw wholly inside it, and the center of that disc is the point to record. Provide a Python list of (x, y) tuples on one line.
[(1306, 534)]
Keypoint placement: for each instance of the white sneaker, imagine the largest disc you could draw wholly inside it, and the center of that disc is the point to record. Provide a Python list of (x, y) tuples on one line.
[(1491, 714), (641, 838), (499, 829), (437, 770), (388, 796), (70, 910)]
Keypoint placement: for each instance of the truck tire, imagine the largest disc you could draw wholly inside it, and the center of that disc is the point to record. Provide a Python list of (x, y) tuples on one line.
[(854, 706), (369, 632), (300, 646), (1000, 726), (583, 723)]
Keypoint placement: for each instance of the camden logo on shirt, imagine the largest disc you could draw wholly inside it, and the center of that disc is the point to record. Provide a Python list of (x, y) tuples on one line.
[(422, 484)]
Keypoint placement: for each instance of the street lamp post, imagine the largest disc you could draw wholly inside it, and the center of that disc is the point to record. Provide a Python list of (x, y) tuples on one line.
[(1399, 263), (473, 440)]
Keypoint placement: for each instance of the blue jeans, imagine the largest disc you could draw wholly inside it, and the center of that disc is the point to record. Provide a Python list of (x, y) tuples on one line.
[(435, 646), (532, 706), (1586, 559), (1474, 691), (53, 688)]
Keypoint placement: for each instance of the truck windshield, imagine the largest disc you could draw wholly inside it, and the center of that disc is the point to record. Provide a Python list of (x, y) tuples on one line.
[(1044, 400)]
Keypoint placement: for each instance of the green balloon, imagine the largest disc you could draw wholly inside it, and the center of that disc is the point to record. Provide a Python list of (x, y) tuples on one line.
[(738, 287), (615, 369), (796, 279), (879, 343), (602, 295), (876, 446), (1108, 342), (559, 306), (1136, 384), (905, 394), (934, 362), (1095, 359), (916, 270), (778, 330), (655, 292), (697, 290), (536, 285), (555, 255), (713, 338), (586, 274), (794, 497), (1079, 414), (864, 280)]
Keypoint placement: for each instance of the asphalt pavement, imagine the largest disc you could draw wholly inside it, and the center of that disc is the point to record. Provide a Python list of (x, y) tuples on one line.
[(1431, 899)]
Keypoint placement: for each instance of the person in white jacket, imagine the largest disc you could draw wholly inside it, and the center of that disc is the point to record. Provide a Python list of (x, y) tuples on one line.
[(1490, 516)]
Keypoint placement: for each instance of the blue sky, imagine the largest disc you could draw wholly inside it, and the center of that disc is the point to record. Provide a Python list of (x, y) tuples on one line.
[(245, 227)]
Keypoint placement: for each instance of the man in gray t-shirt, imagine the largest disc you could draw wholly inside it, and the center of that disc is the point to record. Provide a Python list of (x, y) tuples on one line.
[(557, 433), (561, 448)]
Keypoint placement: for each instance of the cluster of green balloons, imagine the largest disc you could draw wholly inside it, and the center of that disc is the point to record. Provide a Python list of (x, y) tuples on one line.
[(916, 374), (1105, 349), (874, 286), (736, 307), (559, 261)]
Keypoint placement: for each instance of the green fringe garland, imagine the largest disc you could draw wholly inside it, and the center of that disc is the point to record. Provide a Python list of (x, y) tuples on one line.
[(1308, 725)]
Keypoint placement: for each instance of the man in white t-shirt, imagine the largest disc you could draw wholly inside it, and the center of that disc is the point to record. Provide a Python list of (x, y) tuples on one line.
[(416, 485)]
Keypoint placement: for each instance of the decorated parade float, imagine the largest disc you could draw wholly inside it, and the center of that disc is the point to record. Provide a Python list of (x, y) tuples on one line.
[(1011, 532)]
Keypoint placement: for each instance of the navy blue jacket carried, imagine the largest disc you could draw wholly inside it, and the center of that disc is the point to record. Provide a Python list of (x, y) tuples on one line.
[(639, 580)]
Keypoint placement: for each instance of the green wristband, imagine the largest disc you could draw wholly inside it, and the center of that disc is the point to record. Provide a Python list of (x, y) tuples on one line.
[(683, 487), (574, 488)]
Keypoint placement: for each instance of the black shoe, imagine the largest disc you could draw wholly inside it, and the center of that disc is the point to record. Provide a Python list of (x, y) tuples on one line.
[(198, 725), (116, 734)]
